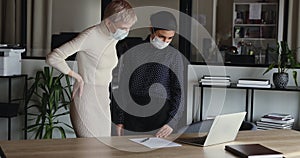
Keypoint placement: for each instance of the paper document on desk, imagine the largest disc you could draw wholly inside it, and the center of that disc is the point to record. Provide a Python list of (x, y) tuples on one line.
[(153, 142)]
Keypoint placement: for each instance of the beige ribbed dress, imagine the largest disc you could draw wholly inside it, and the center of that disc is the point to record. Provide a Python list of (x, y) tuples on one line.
[(96, 57)]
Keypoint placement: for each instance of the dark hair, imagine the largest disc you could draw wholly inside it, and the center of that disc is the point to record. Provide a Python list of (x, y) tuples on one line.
[(163, 20)]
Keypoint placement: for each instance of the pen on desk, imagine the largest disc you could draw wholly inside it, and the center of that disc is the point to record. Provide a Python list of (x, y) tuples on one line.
[(144, 140)]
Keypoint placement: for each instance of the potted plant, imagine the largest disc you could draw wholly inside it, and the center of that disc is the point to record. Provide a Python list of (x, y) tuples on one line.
[(50, 100), (286, 60)]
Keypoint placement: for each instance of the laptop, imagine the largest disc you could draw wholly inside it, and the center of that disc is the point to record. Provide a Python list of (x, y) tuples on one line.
[(224, 129)]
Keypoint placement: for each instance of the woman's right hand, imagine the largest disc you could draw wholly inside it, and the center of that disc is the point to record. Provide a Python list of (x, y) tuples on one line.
[(120, 129), (78, 86)]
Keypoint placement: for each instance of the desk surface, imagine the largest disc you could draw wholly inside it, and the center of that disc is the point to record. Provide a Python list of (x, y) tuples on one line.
[(285, 141)]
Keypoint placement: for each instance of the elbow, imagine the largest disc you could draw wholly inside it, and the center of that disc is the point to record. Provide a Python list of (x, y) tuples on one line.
[(49, 59), (53, 58)]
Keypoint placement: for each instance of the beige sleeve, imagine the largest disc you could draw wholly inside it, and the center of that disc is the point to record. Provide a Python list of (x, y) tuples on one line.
[(58, 56)]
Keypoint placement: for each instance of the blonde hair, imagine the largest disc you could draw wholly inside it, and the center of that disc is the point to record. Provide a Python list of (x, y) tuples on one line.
[(120, 11)]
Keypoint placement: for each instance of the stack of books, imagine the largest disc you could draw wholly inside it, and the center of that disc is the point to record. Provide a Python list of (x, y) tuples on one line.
[(255, 83), (215, 80), (275, 121)]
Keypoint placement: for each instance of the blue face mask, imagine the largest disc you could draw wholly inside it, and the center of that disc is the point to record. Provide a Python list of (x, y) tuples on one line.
[(119, 34), (158, 43)]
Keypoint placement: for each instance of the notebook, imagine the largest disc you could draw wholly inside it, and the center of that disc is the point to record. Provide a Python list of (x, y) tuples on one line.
[(253, 151), (224, 129)]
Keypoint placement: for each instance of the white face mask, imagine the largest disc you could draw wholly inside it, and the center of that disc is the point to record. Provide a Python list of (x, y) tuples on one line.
[(158, 43), (119, 34)]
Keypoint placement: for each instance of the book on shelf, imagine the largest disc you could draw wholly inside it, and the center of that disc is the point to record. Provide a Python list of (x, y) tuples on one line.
[(274, 117), (283, 121), (253, 151), (278, 116), (269, 128), (270, 124), (273, 126), (216, 77), (253, 81), (253, 85), (212, 80), (215, 83)]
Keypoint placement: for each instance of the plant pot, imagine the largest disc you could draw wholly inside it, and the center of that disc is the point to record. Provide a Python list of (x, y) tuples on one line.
[(280, 80)]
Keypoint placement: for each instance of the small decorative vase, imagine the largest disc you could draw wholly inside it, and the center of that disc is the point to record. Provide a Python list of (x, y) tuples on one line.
[(280, 80)]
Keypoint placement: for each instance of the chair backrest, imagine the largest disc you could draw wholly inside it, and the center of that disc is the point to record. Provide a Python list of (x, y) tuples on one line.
[(246, 125)]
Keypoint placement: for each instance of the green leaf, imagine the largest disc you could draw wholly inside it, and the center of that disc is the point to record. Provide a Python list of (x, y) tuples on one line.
[(269, 68), (62, 132), (48, 133), (59, 77), (68, 126), (30, 119), (39, 132), (68, 86), (64, 105), (30, 114), (295, 78), (32, 129), (62, 114), (68, 94), (38, 120), (33, 126), (34, 106)]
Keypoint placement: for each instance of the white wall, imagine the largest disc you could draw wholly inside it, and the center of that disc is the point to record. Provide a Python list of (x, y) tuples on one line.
[(233, 100)]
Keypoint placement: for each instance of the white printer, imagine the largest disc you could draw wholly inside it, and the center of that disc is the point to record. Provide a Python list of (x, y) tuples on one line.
[(10, 60)]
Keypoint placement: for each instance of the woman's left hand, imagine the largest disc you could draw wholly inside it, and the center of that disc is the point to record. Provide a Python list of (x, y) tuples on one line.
[(165, 131), (78, 86)]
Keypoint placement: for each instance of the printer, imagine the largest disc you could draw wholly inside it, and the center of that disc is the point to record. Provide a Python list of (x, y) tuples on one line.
[(10, 59)]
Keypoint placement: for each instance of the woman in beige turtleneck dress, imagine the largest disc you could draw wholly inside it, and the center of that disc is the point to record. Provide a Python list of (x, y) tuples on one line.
[(96, 57)]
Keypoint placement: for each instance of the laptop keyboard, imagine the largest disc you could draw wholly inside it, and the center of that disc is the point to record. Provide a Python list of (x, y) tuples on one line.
[(196, 140)]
